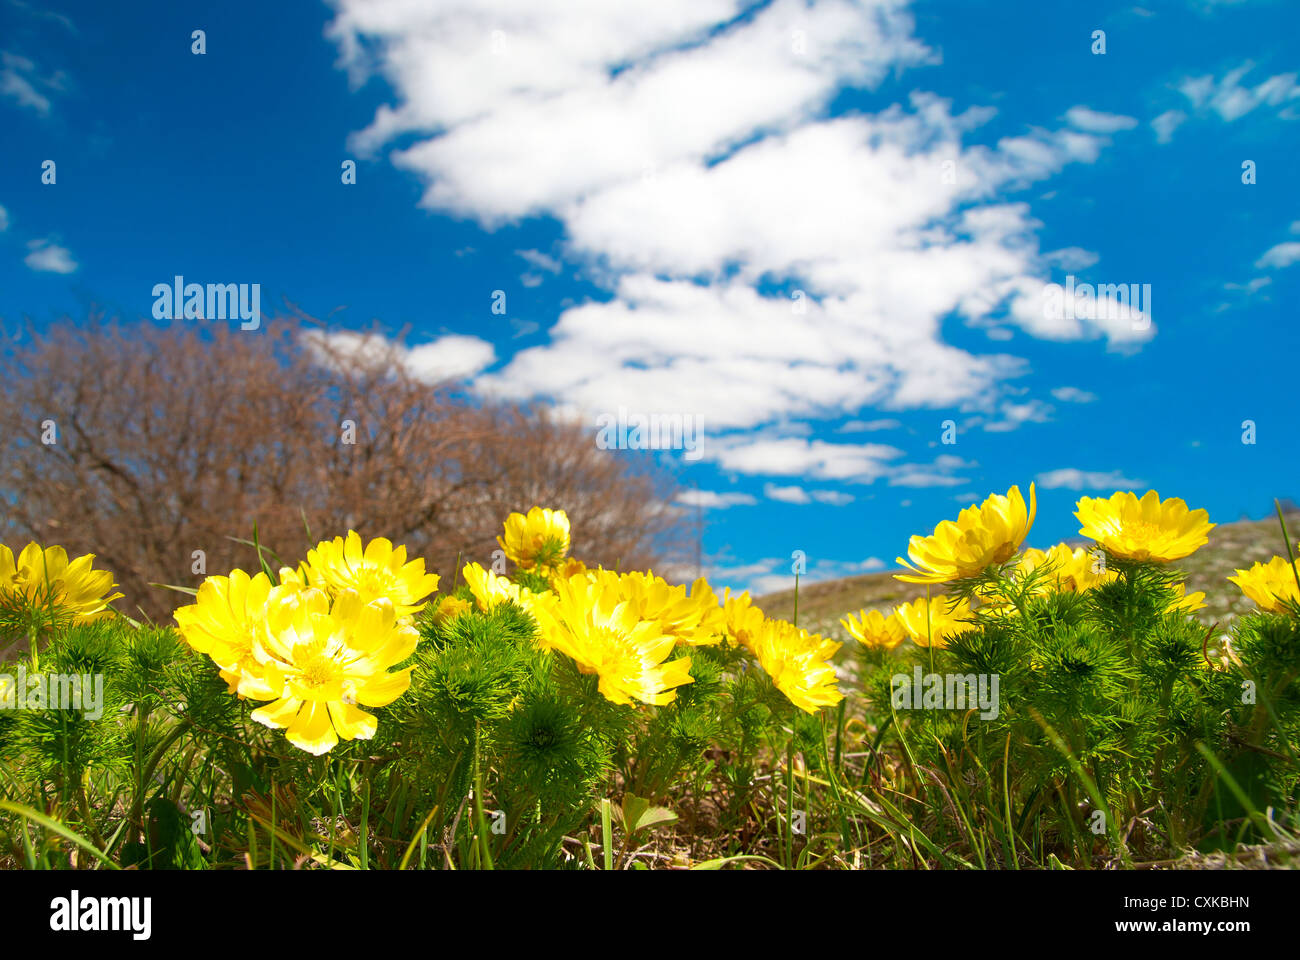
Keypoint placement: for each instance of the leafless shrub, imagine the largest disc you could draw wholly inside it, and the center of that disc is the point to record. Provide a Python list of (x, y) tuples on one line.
[(176, 439)]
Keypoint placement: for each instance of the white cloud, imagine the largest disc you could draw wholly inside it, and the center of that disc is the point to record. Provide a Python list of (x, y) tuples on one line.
[(1014, 415), (1119, 311), (801, 457), (921, 478), (1230, 100), (1071, 478), (835, 498), (938, 473), (1071, 258), (542, 263), (1282, 255), (773, 574), (19, 80), (869, 426), (1165, 124), (640, 89), (540, 260), (1093, 121), (797, 494), (786, 494), (653, 135), (709, 499), (1073, 395), (4, 219), (450, 357), (1251, 286), (46, 256)]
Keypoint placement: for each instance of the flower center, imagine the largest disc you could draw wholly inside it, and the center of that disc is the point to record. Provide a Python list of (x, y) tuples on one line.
[(318, 669), (1142, 531), (372, 582)]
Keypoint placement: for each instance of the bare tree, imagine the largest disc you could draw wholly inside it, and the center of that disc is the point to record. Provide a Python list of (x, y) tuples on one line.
[(171, 440)]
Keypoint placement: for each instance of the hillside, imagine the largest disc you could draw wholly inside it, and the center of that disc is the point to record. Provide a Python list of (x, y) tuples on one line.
[(1232, 546)]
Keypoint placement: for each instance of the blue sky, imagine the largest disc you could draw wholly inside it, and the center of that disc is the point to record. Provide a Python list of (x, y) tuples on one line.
[(650, 184)]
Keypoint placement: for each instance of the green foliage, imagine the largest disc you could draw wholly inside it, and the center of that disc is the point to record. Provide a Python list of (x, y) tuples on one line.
[(1107, 703), (502, 754)]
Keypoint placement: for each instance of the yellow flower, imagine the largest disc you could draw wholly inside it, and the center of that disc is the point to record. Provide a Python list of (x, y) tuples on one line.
[(937, 621), (798, 663), (1068, 570), (742, 621), (225, 622), (1056, 560), (712, 623), (450, 608), (982, 536), (1185, 601), (603, 634), (540, 539), (568, 567), (322, 661), (1145, 529), (1270, 584), (45, 578), (691, 617), (874, 630), (490, 589), (1082, 571), (376, 571)]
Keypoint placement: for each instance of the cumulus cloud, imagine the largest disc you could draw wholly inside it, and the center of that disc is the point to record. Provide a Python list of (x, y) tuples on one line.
[(654, 135), (451, 357), (1282, 255), (46, 256), (1071, 478), (786, 494), (798, 495), (710, 499), (801, 457), (1119, 311)]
